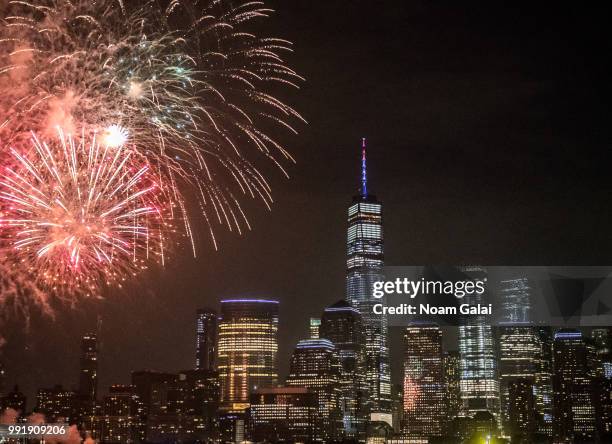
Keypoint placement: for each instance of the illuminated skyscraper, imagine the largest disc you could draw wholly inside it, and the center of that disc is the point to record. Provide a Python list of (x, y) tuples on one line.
[(88, 383), (313, 327), (248, 349), (364, 267), (315, 365), (341, 324), (452, 391), (515, 295), (520, 423), (424, 389), (525, 354), (479, 382), (574, 401), (206, 340)]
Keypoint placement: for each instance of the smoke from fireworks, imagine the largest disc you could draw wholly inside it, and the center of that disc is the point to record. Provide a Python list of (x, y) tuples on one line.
[(185, 84)]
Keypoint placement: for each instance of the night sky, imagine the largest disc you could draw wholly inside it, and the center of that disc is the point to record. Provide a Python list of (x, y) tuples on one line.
[(488, 129)]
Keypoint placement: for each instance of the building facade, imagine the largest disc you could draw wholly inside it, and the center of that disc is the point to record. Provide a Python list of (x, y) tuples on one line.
[(365, 259), (282, 414), (57, 404), (574, 368), (479, 383), (341, 324), (315, 365), (248, 349), (424, 389), (206, 340)]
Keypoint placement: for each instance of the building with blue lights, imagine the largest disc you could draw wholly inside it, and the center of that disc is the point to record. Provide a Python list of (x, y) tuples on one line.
[(365, 260)]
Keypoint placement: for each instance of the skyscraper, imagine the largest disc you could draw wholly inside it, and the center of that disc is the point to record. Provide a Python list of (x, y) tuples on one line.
[(341, 324), (479, 382), (364, 267), (206, 339), (520, 423), (525, 355), (248, 349), (424, 389), (88, 381), (573, 399), (313, 327), (451, 381), (315, 365)]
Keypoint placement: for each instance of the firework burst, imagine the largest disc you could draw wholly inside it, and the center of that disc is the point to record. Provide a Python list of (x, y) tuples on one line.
[(81, 214), (196, 98), (182, 88)]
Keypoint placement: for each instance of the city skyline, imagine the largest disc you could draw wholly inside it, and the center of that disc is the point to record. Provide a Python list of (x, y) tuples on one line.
[(459, 133), (457, 158)]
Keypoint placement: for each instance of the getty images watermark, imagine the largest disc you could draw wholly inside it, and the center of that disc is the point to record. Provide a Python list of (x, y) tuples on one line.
[(403, 286), (562, 296)]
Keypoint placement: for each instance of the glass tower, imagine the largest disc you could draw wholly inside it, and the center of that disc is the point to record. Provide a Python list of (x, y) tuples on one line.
[(364, 267), (479, 382), (248, 349), (525, 358)]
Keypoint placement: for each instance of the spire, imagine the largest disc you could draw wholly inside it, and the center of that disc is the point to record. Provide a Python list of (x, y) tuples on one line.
[(364, 177)]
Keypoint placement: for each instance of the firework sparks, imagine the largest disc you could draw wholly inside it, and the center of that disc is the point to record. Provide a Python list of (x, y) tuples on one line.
[(80, 214), (182, 89)]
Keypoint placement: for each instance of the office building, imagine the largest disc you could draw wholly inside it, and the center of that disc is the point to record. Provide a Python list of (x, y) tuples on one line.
[(479, 382), (424, 388), (206, 340), (452, 398), (248, 349), (365, 260), (315, 365), (573, 398), (313, 327), (341, 324), (184, 408), (282, 414), (57, 404), (119, 422)]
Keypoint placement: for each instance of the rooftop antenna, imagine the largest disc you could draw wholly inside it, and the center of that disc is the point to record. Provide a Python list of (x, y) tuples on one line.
[(364, 176)]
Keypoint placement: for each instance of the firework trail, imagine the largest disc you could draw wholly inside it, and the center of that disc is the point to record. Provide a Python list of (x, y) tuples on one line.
[(80, 214)]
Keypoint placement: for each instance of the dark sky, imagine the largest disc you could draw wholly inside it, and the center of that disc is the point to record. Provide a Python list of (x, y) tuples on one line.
[(488, 127)]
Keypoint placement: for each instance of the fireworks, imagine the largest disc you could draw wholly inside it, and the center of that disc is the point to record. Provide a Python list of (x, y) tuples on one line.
[(177, 87), (80, 214)]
